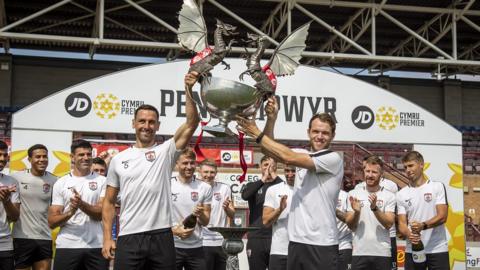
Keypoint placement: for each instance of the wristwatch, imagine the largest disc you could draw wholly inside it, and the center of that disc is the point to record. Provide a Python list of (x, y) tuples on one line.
[(374, 209), (424, 226)]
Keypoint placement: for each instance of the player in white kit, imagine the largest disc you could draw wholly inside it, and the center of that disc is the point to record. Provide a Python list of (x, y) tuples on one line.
[(275, 214), (76, 208), (221, 215), (9, 206), (141, 176), (371, 213), (344, 233), (32, 237), (422, 213), (190, 196)]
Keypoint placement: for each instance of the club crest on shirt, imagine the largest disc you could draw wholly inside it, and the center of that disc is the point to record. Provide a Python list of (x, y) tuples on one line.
[(46, 188), (194, 196), (150, 156), (427, 197), (217, 196), (380, 203), (92, 185)]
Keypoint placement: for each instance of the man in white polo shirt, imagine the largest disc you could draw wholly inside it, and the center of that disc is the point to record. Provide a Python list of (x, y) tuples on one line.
[(76, 208), (344, 233), (275, 213), (10, 202), (391, 186), (222, 211), (189, 196), (370, 214), (422, 213), (312, 228), (141, 176), (32, 236)]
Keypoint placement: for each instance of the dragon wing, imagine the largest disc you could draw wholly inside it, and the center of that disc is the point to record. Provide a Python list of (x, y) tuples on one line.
[(192, 32), (287, 55)]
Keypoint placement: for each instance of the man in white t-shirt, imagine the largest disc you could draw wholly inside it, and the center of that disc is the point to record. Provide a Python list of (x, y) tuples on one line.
[(312, 228), (275, 213), (344, 233), (141, 176), (76, 208), (9, 211), (32, 237), (190, 196), (222, 211), (391, 186), (370, 214), (422, 213)]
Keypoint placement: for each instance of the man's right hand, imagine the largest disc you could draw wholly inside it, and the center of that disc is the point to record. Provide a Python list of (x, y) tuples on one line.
[(271, 109), (283, 203), (181, 232), (414, 238), (108, 249)]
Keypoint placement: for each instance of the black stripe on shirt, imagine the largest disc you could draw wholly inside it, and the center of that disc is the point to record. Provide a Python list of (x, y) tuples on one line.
[(322, 153)]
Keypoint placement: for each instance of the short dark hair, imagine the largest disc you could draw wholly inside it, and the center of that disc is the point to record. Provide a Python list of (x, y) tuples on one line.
[(265, 158), (147, 107), (374, 160), (99, 161), (80, 144), (413, 155), (208, 162), (36, 147), (188, 152), (324, 117), (3, 145)]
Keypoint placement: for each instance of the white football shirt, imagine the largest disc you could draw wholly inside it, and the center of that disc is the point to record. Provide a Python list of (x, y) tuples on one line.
[(312, 217), (6, 242), (344, 233), (280, 227), (370, 238), (142, 176), (218, 217), (80, 231), (388, 185), (35, 198), (185, 197), (419, 204)]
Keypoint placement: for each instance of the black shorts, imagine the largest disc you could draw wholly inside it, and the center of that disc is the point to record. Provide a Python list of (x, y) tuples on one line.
[(147, 250), (7, 260), (190, 259), (277, 262), (371, 263), (345, 259), (437, 261), (215, 258), (79, 258), (393, 248), (310, 257), (29, 251)]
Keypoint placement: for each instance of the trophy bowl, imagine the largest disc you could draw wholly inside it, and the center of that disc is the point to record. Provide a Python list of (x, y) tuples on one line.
[(224, 99)]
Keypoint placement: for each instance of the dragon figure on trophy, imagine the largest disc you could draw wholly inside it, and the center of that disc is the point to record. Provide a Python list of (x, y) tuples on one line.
[(284, 60), (192, 35)]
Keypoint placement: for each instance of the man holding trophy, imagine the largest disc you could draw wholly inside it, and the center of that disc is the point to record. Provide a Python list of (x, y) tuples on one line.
[(141, 176)]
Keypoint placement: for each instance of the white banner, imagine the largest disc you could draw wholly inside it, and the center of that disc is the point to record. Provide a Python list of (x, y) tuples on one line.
[(473, 257)]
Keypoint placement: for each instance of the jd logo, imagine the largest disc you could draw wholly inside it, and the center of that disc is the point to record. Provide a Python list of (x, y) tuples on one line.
[(363, 117), (78, 104), (226, 157)]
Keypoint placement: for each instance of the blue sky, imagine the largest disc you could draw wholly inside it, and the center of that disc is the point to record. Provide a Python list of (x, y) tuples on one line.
[(156, 60)]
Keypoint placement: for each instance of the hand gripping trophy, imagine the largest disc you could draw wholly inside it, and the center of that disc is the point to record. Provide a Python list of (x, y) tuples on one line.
[(224, 99)]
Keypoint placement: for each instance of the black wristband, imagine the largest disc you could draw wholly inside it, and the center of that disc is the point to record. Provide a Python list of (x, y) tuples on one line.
[(374, 209), (259, 138), (424, 225)]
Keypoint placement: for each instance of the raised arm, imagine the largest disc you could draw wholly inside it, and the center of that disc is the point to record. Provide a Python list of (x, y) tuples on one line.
[(271, 109), (270, 215), (185, 131)]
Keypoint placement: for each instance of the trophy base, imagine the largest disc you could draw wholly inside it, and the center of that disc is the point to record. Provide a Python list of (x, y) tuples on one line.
[(219, 131)]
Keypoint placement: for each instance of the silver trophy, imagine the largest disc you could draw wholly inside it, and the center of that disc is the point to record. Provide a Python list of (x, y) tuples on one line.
[(225, 99)]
